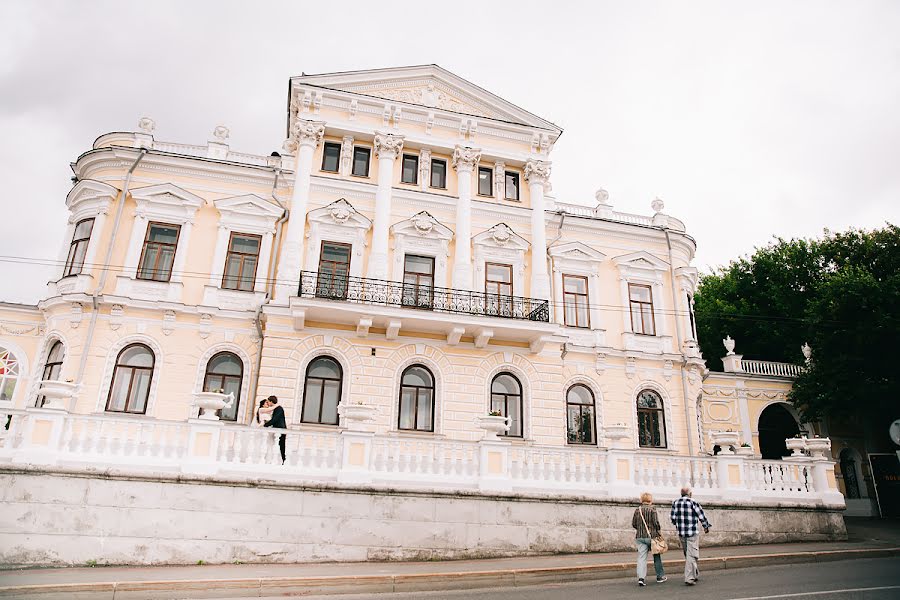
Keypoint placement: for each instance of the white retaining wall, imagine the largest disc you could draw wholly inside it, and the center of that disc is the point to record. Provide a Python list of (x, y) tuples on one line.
[(55, 516)]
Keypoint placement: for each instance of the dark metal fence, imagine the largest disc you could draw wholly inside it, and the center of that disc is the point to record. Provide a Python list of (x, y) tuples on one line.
[(395, 293)]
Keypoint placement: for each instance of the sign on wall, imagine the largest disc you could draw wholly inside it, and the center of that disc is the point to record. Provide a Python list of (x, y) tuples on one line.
[(886, 476)]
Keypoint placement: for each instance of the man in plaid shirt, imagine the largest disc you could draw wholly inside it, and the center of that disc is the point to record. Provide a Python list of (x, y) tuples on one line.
[(686, 514)]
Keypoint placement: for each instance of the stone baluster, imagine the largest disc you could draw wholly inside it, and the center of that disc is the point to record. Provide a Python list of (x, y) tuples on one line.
[(464, 161), (388, 147), (537, 174)]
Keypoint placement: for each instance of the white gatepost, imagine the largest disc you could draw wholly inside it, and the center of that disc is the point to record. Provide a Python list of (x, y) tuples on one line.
[(493, 471), (42, 438), (356, 456), (824, 481), (731, 476), (203, 446), (619, 462)]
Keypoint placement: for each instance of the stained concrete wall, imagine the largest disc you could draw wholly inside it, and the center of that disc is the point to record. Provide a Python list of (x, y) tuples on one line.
[(63, 517)]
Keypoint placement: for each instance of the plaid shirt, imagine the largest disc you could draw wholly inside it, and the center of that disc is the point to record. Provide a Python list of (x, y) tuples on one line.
[(686, 513)]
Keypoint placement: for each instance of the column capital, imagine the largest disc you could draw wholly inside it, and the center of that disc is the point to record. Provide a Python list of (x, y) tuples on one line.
[(465, 158), (388, 145), (307, 133), (537, 171)]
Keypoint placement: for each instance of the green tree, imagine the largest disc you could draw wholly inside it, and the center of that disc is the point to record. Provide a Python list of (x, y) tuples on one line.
[(839, 293)]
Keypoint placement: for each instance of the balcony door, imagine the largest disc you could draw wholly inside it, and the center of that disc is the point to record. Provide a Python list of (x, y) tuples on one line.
[(498, 288), (418, 281), (334, 270)]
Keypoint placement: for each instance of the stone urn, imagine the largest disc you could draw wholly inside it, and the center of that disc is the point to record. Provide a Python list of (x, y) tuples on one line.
[(493, 425), (57, 393), (616, 433), (211, 402), (818, 447), (355, 416), (725, 440), (796, 445)]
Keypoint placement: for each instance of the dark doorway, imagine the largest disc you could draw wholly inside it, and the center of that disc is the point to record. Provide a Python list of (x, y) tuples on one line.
[(776, 424)]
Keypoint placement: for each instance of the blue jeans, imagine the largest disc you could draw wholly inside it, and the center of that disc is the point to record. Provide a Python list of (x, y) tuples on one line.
[(643, 548)]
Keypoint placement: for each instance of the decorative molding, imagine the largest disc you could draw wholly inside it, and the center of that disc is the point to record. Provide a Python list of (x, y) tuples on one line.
[(388, 145), (537, 171), (337, 222), (306, 133), (425, 235), (465, 158)]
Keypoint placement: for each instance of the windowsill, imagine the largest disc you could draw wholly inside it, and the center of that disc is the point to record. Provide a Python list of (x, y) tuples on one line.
[(409, 433), (126, 415), (359, 176), (431, 187), (147, 289), (654, 450), (645, 335), (410, 183), (485, 196), (76, 283), (329, 172), (227, 299), (313, 426), (512, 199)]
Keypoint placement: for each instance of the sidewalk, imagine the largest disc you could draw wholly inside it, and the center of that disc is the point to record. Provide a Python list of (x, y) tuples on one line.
[(867, 539)]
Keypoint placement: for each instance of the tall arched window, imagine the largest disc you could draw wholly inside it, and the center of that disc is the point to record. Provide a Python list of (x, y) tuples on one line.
[(130, 387), (651, 420), (9, 373), (225, 372), (322, 391), (416, 399), (506, 397), (52, 366), (581, 415)]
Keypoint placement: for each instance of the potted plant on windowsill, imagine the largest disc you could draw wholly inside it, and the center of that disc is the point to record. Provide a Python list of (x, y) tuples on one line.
[(493, 423), (212, 402), (354, 415)]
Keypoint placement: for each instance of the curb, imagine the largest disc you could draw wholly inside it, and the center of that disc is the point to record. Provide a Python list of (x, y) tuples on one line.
[(422, 582)]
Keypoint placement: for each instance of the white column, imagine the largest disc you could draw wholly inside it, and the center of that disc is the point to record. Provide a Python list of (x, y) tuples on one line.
[(262, 268), (181, 251), (305, 135), (387, 148), (138, 231), (537, 174), (218, 266), (464, 161)]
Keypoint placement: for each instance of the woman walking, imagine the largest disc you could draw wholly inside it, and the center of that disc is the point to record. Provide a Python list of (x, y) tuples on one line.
[(646, 525)]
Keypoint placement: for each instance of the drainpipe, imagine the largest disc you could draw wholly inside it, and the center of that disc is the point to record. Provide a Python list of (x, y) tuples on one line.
[(551, 303), (684, 388), (103, 275), (279, 226)]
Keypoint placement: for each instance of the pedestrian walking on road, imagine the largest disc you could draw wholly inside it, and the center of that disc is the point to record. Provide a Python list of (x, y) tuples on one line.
[(686, 515), (645, 522)]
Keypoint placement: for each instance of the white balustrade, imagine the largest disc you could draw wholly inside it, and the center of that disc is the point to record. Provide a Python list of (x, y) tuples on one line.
[(774, 369), (391, 460)]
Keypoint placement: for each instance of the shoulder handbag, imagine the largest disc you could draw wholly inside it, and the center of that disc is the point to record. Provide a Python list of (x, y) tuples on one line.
[(658, 544)]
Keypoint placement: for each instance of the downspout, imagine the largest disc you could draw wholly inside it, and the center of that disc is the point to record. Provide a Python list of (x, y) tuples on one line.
[(562, 219), (684, 386), (257, 319), (103, 275)]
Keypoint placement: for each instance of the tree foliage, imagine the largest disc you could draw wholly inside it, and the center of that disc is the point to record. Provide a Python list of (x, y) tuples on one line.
[(839, 293)]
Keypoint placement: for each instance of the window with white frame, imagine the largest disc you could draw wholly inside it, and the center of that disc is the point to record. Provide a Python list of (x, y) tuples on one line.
[(506, 399), (581, 416), (52, 367), (9, 374), (651, 420), (78, 248), (132, 377)]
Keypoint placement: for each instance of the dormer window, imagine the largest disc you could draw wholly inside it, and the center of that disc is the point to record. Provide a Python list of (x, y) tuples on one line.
[(512, 186), (361, 158), (331, 157)]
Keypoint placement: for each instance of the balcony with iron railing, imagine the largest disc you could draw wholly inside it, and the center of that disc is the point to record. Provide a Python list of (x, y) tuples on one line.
[(390, 305)]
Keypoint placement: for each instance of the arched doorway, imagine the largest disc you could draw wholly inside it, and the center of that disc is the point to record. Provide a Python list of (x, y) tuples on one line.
[(776, 424)]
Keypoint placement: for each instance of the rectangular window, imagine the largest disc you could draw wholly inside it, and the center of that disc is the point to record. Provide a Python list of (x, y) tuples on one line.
[(78, 248), (410, 172), (241, 262), (334, 270), (418, 281), (439, 173), (159, 252), (641, 304), (485, 181), (331, 157), (575, 301), (512, 186), (361, 161), (498, 288)]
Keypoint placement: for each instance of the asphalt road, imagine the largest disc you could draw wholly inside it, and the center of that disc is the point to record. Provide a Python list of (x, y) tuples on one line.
[(866, 579)]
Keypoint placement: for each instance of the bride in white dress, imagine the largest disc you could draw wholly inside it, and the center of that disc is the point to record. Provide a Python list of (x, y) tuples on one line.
[(263, 414)]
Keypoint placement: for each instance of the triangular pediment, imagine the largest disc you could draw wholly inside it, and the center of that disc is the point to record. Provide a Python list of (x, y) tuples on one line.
[(249, 205), (89, 189), (429, 86), (576, 251), (340, 212), (167, 193), (501, 235), (641, 260), (422, 224)]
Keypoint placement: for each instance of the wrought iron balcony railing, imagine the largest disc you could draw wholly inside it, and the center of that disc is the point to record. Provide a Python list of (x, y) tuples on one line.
[(425, 297)]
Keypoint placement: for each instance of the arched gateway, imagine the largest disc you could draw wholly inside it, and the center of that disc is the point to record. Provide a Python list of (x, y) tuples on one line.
[(776, 424)]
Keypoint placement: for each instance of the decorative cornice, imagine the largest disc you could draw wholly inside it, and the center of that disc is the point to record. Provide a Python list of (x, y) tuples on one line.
[(537, 171), (388, 145), (465, 158)]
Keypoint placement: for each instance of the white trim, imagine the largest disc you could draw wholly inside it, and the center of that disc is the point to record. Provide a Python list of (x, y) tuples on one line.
[(422, 235), (337, 222), (436, 372), (41, 361), (111, 356), (204, 359), (500, 244), (522, 377), (598, 405), (669, 429), (300, 386), (579, 259), (23, 380)]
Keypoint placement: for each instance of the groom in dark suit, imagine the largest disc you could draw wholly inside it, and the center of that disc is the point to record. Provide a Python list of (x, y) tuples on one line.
[(277, 420)]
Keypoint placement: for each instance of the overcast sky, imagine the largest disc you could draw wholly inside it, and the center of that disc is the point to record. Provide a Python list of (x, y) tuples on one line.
[(749, 119)]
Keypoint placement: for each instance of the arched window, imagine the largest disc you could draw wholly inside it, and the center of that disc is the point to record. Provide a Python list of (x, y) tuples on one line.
[(53, 366), (848, 472), (581, 415), (651, 420), (322, 391), (130, 385), (9, 373), (416, 399), (225, 373), (506, 397)]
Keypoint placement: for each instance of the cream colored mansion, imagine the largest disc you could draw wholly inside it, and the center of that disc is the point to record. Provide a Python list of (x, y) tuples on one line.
[(404, 253)]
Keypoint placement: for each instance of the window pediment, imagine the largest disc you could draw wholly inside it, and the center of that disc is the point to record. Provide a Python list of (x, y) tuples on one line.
[(422, 224), (166, 201), (340, 213), (576, 253), (641, 266), (250, 212), (501, 235), (88, 198)]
